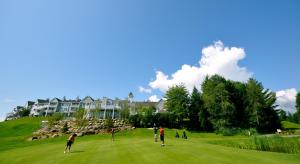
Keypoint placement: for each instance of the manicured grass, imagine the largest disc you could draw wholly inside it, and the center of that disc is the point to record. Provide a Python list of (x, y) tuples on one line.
[(137, 146), (289, 125)]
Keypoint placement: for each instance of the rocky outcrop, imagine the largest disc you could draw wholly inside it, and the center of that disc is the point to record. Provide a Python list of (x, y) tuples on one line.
[(92, 127)]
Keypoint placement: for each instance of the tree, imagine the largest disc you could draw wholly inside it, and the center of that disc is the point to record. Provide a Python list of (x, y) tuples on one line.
[(24, 112), (80, 119), (177, 102), (147, 116), (298, 102), (194, 109), (124, 113), (260, 107), (297, 114), (282, 115), (217, 102)]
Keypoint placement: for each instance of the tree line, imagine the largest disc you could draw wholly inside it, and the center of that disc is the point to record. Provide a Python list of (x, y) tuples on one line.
[(223, 104)]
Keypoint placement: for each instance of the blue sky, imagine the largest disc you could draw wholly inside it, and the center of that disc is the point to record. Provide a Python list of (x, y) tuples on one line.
[(108, 48)]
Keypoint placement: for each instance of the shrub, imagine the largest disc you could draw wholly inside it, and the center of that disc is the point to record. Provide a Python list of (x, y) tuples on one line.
[(109, 123), (65, 128), (54, 118)]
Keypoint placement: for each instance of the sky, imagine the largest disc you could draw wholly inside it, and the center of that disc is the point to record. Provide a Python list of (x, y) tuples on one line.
[(54, 48)]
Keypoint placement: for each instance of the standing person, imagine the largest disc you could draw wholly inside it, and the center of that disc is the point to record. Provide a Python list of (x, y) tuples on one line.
[(184, 136), (70, 141), (176, 134), (112, 134), (155, 133), (162, 135)]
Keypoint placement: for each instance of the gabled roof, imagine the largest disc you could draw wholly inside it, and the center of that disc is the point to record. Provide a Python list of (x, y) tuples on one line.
[(88, 97), (56, 99)]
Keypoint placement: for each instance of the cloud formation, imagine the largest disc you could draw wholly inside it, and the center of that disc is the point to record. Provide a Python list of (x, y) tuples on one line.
[(144, 90), (153, 98), (286, 100), (215, 59)]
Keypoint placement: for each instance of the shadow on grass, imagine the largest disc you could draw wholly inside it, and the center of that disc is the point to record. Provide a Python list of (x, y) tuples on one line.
[(77, 151)]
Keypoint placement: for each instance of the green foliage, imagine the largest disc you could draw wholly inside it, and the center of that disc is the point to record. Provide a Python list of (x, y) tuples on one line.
[(282, 115), (54, 118), (147, 118), (135, 120), (275, 144), (177, 101), (237, 131), (166, 120), (217, 102), (24, 112), (124, 113), (81, 121), (262, 143), (95, 113), (260, 106), (65, 128), (196, 105), (109, 123)]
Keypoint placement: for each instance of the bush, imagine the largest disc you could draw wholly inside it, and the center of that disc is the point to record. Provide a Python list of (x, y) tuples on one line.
[(65, 128), (229, 131), (135, 120), (275, 144), (109, 123), (54, 118), (80, 120), (264, 143)]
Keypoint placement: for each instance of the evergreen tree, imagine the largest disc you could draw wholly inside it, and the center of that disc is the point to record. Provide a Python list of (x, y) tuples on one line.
[(217, 102), (194, 109), (260, 107)]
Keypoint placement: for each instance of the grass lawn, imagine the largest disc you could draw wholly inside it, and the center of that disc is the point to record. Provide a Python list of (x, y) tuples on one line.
[(135, 146), (289, 125)]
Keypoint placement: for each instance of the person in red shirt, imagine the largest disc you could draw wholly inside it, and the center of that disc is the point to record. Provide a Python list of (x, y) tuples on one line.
[(162, 135)]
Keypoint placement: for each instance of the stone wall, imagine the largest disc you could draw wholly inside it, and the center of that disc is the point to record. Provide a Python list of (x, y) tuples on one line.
[(92, 127)]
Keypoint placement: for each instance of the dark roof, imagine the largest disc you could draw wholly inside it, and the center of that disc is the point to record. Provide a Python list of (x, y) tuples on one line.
[(29, 103), (42, 101), (56, 99)]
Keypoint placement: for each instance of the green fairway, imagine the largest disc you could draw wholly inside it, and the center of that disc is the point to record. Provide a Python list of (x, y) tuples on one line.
[(289, 125), (135, 146)]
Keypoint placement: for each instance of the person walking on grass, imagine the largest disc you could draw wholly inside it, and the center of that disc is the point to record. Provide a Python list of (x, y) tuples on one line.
[(70, 141), (113, 134), (155, 133), (162, 135)]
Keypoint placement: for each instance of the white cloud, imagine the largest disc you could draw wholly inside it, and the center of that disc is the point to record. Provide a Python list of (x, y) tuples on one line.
[(286, 99), (9, 100), (153, 98), (215, 59), (144, 90)]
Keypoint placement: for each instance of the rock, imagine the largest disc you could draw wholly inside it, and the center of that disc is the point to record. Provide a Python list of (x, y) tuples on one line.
[(80, 134), (54, 136), (54, 130), (34, 138)]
